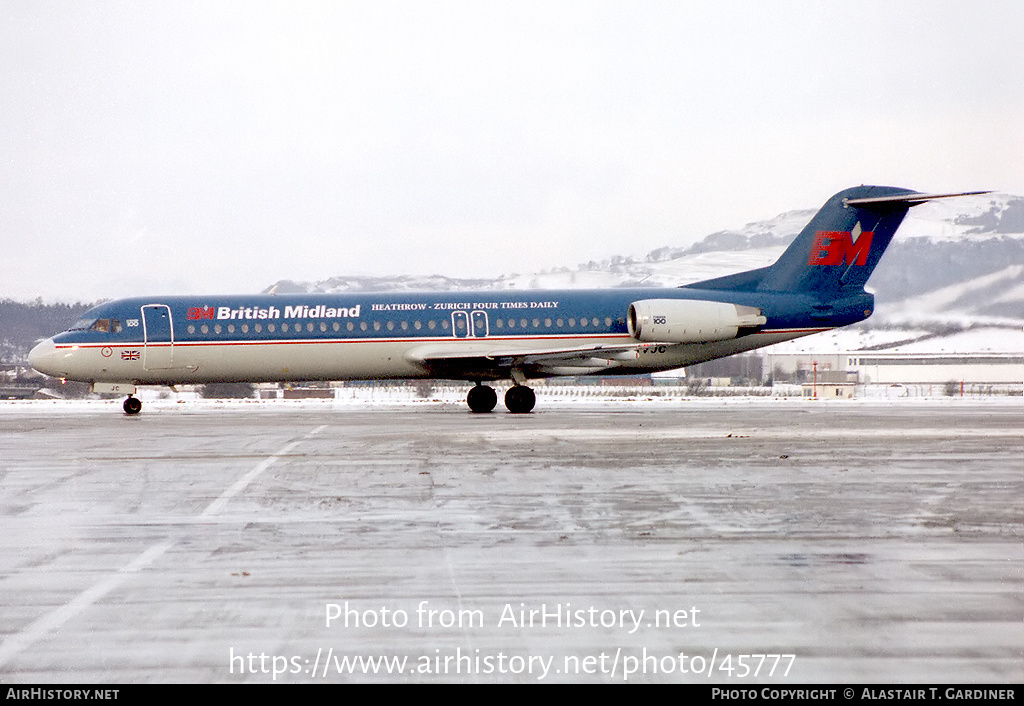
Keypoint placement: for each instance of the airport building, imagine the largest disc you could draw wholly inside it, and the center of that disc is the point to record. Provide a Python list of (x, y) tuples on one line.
[(980, 356)]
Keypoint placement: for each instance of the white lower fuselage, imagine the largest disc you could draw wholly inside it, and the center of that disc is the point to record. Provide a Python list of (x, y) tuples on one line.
[(291, 360)]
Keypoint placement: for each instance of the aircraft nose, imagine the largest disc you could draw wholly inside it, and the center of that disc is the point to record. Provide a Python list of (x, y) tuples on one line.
[(44, 357)]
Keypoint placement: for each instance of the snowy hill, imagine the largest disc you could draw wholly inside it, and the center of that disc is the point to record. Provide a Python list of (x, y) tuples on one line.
[(955, 264)]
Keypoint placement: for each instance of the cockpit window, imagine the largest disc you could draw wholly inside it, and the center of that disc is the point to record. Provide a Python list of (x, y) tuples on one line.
[(106, 326), (82, 325)]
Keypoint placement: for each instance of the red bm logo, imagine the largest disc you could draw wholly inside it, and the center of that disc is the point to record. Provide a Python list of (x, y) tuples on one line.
[(836, 247), (200, 313)]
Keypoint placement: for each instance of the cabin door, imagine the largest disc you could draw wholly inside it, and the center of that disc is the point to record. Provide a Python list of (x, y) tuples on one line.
[(159, 334), (480, 323), (470, 325)]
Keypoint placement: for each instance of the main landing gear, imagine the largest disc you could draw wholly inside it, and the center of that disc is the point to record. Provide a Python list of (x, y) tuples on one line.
[(519, 399), (132, 405), (481, 398)]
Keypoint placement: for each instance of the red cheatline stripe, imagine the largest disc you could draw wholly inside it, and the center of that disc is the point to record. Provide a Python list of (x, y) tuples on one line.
[(446, 339)]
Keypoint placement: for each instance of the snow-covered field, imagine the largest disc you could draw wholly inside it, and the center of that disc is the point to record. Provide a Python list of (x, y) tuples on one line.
[(551, 397)]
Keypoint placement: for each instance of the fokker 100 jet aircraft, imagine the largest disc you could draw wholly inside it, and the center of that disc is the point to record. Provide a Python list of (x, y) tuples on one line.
[(817, 284)]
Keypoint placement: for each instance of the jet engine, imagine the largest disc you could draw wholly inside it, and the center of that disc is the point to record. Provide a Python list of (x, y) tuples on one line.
[(691, 320)]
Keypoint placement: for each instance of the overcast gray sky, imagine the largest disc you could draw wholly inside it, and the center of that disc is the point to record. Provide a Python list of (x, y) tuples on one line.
[(177, 147)]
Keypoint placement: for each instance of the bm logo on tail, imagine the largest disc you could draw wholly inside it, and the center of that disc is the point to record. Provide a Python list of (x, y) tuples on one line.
[(839, 247)]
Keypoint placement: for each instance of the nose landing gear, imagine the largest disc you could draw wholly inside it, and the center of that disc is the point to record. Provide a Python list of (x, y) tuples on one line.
[(132, 405)]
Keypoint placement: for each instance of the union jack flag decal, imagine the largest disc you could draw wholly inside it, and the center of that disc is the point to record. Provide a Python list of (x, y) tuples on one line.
[(129, 355)]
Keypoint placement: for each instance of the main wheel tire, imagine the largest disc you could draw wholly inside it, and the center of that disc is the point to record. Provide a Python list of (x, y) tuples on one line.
[(132, 405), (520, 399), (482, 399)]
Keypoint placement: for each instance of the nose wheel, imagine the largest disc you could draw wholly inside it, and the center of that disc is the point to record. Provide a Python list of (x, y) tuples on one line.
[(132, 405)]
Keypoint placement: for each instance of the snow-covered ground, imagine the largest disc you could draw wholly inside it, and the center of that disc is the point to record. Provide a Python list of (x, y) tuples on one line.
[(673, 397)]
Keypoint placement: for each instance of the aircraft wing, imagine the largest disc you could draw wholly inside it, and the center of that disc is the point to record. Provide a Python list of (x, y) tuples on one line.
[(479, 357)]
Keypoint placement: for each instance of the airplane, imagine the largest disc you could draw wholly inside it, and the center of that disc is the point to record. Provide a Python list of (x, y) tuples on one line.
[(817, 284)]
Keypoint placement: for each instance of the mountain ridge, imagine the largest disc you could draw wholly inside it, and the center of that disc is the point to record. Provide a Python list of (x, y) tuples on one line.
[(964, 246)]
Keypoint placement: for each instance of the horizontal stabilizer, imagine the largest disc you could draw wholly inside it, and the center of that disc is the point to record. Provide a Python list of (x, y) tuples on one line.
[(909, 199)]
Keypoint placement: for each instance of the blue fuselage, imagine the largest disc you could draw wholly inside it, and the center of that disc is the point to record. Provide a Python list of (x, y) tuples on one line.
[(168, 340)]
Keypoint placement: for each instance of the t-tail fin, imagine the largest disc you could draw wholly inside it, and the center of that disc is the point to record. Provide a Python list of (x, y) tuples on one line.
[(837, 251)]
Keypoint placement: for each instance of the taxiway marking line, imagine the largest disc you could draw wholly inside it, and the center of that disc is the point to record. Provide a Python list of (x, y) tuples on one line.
[(53, 620), (20, 641)]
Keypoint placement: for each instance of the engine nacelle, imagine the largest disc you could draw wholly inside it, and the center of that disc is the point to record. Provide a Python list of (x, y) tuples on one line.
[(690, 320)]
